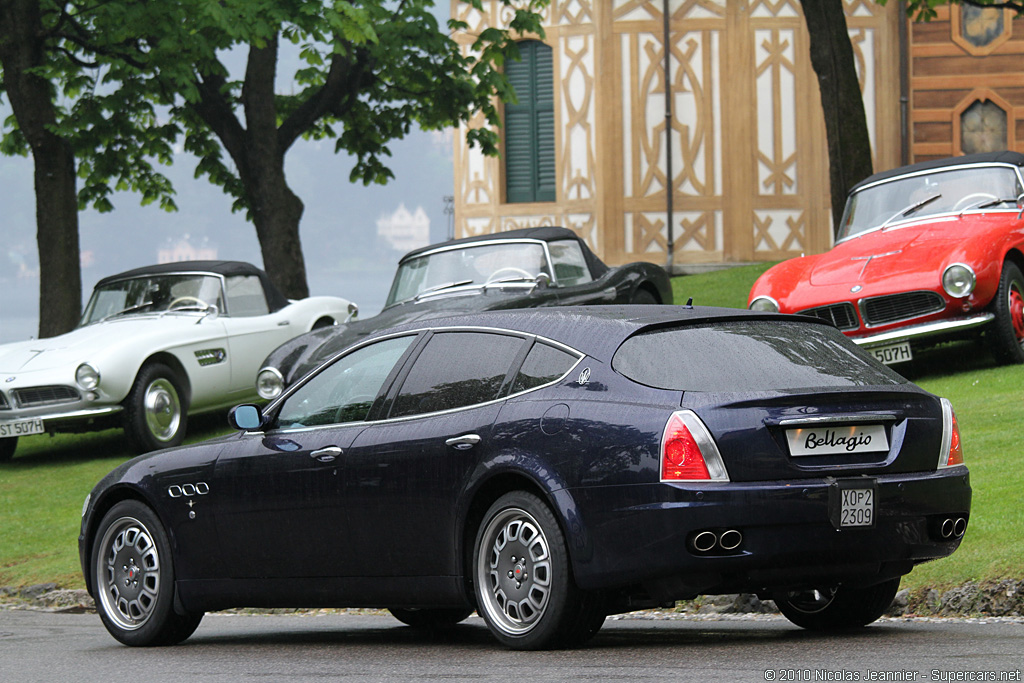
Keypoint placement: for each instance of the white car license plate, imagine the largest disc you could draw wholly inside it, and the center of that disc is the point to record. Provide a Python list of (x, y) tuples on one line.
[(835, 439), (852, 503), (21, 428), (856, 507), (892, 353)]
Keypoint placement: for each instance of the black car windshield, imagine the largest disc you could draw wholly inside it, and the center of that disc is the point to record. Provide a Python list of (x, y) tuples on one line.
[(927, 194), (752, 355), (468, 267), (154, 294)]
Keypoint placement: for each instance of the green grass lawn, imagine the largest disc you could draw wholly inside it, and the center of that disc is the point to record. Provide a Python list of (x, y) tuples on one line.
[(42, 490), (43, 487)]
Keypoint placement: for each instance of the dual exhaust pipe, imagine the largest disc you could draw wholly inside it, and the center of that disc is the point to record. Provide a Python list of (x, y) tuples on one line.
[(708, 541), (953, 527)]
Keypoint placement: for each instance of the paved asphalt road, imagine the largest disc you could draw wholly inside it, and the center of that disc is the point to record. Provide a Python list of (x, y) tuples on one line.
[(38, 646)]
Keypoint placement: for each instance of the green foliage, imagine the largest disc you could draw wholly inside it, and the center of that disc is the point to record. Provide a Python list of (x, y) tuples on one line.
[(107, 116), (130, 78), (364, 74)]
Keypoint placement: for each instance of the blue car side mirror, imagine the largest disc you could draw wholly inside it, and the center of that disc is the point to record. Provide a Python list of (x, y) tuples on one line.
[(246, 417)]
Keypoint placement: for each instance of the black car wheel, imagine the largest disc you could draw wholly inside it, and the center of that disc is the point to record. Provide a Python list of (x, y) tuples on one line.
[(1007, 330), (429, 619), (837, 608), (523, 581), (7, 448), (133, 579), (154, 412), (643, 296)]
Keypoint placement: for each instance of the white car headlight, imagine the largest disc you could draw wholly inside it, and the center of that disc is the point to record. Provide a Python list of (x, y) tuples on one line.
[(87, 377), (958, 280), (764, 304), (269, 383)]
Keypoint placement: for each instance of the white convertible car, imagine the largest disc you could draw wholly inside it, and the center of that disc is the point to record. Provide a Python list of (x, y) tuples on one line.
[(155, 344)]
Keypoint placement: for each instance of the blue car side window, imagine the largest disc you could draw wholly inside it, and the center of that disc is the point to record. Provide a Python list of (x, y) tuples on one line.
[(345, 390), (457, 369)]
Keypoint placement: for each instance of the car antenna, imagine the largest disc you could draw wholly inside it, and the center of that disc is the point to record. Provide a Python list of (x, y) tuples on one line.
[(689, 302)]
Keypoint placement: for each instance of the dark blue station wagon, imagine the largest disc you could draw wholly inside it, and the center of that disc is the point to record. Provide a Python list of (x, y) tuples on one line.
[(546, 468)]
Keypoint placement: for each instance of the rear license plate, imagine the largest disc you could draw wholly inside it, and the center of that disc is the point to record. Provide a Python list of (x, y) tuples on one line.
[(893, 353), (834, 439), (851, 503), (21, 428)]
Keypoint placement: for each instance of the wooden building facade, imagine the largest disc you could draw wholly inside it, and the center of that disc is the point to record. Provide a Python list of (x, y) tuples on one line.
[(730, 149)]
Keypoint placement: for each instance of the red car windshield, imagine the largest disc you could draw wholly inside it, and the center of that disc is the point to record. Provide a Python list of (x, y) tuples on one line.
[(930, 193)]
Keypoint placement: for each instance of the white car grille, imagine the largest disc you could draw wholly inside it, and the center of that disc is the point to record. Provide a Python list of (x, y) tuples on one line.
[(31, 397)]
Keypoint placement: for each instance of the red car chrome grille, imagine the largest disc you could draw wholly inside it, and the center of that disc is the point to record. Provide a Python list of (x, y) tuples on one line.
[(841, 315), (44, 396), (892, 308)]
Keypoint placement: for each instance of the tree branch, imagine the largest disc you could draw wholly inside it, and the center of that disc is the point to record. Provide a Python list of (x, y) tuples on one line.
[(346, 78), (215, 110)]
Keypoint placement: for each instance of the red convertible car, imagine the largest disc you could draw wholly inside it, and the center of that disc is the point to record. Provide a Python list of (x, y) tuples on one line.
[(925, 253)]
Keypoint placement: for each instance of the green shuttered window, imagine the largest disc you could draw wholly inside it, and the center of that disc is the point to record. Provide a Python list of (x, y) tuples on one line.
[(530, 127)]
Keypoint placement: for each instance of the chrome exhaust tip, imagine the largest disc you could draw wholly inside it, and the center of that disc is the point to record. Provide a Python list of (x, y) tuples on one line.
[(730, 539), (959, 527), (947, 528), (704, 541)]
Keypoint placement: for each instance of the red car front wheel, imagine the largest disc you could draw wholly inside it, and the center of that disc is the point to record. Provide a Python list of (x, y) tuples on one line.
[(1007, 332)]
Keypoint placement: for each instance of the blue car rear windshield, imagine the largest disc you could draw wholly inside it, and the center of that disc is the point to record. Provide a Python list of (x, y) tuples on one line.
[(752, 355)]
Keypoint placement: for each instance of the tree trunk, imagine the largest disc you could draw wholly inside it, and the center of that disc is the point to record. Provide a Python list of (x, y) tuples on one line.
[(846, 127), (276, 211), (258, 152), (60, 276)]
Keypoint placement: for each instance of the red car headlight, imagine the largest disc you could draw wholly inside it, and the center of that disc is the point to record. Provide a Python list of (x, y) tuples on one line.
[(958, 280)]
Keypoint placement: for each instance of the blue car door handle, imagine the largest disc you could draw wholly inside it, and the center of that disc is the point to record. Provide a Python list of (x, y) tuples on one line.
[(327, 454), (464, 442)]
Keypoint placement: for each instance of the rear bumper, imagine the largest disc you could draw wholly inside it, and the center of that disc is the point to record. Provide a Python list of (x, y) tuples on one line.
[(788, 540)]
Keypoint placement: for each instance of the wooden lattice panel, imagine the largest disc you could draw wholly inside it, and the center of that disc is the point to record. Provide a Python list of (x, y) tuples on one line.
[(749, 162)]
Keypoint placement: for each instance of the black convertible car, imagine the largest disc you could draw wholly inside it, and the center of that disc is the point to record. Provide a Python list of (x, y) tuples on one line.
[(525, 268), (546, 467)]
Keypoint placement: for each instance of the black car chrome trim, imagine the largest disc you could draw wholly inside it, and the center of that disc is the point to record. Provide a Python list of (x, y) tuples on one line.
[(493, 330), (947, 434), (832, 419)]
